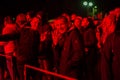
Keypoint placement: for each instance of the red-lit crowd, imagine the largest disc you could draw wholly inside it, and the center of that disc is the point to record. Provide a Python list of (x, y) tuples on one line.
[(83, 48)]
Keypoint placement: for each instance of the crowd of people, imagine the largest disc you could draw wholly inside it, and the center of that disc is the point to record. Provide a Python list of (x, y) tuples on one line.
[(83, 48)]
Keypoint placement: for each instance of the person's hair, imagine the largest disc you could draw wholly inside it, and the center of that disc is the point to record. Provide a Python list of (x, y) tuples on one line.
[(31, 13), (66, 15), (39, 13), (64, 18), (44, 17), (8, 19), (21, 18)]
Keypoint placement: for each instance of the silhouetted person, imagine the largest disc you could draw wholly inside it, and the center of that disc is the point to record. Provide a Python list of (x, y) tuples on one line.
[(71, 56), (110, 61), (27, 43)]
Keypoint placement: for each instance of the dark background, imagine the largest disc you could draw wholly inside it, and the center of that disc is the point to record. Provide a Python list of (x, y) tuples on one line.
[(53, 7)]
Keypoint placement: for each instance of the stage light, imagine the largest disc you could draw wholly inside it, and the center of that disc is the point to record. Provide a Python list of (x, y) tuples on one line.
[(85, 3), (95, 7), (90, 4)]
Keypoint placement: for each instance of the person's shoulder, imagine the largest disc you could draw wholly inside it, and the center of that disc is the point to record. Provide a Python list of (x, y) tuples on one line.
[(110, 38), (111, 35), (74, 33)]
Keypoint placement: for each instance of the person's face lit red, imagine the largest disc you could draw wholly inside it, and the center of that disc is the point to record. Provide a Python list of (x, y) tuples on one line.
[(96, 22), (85, 22), (77, 23), (28, 17), (73, 16), (34, 23), (61, 25)]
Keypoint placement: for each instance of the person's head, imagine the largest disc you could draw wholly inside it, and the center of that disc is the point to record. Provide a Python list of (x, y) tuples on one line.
[(39, 14), (96, 22), (67, 16), (77, 22), (7, 20), (84, 22), (42, 17), (87, 23), (21, 20), (61, 23), (112, 12), (73, 16), (108, 24), (29, 16), (35, 23)]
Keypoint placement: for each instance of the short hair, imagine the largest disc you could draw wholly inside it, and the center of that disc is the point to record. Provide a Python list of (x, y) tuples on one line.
[(21, 18), (64, 18), (8, 19), (31, 14)]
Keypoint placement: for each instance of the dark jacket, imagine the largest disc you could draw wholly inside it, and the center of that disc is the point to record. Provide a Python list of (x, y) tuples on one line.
[(89, 38), (28, 44), (110, 58), (90, 41), (72, 55)]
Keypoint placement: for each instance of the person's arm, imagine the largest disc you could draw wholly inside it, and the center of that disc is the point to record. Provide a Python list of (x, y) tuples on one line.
[(8, 37)]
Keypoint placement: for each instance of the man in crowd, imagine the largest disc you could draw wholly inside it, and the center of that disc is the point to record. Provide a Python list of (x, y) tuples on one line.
[(71, 55)]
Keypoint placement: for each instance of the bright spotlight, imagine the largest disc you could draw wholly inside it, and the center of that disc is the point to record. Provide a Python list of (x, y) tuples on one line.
[(90, 4), (85, 3)]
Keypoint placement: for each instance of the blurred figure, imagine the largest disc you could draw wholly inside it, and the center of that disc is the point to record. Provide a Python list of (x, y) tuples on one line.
[(21, 20), (72, 17), (108, 27), (29, 16), (77, 22), (96, 22), (68, 18), (90, 47), (10, 46), (39, 14), (46, 54), (110, 55), (27, 46), (34, 23), (28, 41), (70, 54)]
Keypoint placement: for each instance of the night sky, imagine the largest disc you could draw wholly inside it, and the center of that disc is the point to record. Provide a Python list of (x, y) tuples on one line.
[(53, 7)]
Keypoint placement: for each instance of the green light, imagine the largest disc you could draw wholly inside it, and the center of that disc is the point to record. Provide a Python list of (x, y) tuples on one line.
[(90, 4), (95, 7), (85, 3)]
